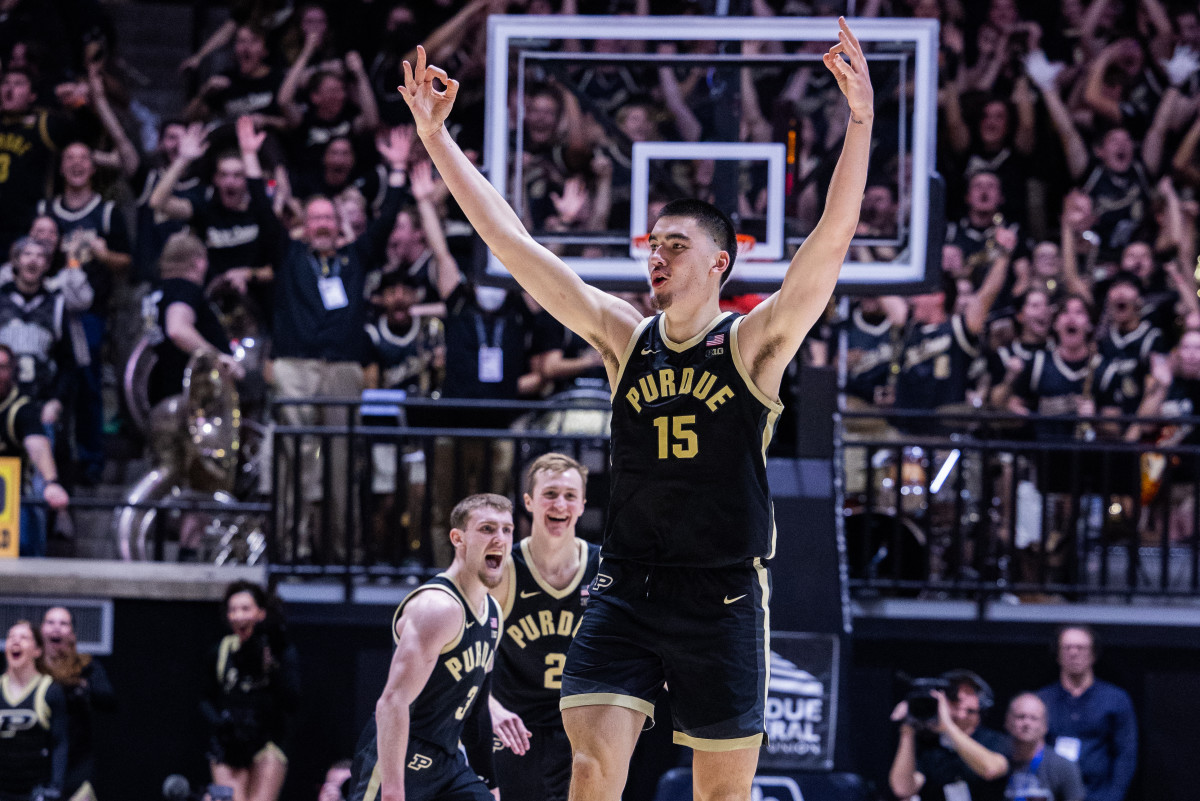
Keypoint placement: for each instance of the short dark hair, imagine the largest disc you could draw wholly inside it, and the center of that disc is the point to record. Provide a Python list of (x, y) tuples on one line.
[(715, 223), (256, 592)]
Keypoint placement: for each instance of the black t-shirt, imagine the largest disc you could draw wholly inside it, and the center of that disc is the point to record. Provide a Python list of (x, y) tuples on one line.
[(246, 95), (234, 238), (942, 766), (28, 143), (469, 328), (166, 378)]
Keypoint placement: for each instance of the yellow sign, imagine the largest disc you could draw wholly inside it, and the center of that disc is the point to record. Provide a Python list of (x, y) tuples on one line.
[(10, 507)]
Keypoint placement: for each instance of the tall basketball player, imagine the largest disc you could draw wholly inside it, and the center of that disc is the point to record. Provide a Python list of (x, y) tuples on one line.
[(682, 592)]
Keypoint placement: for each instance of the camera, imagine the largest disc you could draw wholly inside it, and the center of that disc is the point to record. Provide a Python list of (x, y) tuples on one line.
[(922, 706)]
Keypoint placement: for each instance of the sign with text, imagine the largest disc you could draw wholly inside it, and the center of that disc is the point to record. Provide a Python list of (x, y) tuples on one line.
[(801, 701), (10, 511)]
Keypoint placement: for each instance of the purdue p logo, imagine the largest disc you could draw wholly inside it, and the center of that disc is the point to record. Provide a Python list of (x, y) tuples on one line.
[(601, 581), (15, 720), (419, 762)]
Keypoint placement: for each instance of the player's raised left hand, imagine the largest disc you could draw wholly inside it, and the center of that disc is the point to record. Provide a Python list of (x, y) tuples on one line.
[(852, 76)]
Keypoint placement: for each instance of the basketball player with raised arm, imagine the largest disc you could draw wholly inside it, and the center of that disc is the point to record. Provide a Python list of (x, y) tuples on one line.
[(543, 594), (682, 592), (446, 633)]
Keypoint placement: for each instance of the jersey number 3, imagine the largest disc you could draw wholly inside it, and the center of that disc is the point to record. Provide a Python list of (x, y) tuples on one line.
[(675, 437)]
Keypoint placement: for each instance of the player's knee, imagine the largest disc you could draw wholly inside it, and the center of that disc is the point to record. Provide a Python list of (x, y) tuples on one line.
[(590, 770), (725, 790)]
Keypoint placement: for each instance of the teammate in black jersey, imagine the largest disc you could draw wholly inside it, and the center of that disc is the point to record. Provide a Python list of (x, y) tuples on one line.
[(33, 720), (543, 595), (682, 592), (446, 633)]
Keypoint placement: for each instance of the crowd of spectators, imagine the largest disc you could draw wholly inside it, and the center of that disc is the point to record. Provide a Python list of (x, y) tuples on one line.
[(1067, 137)]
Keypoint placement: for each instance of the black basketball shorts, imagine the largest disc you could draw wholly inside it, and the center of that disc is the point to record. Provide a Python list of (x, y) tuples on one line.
[(704, 632)]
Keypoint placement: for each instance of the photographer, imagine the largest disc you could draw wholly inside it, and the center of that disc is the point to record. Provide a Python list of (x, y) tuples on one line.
[(253, 690), (946, 755)]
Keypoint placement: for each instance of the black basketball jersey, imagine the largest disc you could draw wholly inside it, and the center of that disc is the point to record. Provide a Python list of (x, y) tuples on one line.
[(1050, 385), (27, 144), (871, 351), (25, 739), (405, 359), (540, 623), (1124, 363), (936, 365), (436, 716), (689, 439), (32, 327), (96, 218)]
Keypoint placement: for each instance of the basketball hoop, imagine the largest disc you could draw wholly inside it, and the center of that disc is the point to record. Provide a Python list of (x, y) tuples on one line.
[(745, 243)]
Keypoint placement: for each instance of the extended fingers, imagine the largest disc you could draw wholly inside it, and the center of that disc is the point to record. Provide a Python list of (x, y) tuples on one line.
[(849, 34)]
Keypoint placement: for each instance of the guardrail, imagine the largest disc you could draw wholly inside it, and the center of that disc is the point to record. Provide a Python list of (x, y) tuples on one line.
[(975, 506)]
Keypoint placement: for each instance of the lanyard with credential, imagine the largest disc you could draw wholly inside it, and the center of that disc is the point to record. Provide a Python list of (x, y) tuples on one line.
[(1034, 764), (497, 332), (323, 267)]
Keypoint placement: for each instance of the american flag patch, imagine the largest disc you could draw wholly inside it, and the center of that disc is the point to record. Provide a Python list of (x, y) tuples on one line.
[(714, 340)]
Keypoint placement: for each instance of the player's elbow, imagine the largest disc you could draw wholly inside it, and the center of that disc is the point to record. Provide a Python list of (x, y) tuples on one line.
[(391, 701)]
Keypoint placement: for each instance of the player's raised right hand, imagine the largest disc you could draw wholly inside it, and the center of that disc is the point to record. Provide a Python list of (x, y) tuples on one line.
[(429, 106)]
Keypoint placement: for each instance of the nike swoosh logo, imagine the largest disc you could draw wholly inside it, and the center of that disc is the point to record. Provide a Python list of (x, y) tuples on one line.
[(647, 351), (472, 623), (729, 600), (530, 594)]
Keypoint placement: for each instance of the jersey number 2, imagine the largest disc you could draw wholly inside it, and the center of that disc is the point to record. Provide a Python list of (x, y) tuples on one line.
[(554, 671), (675, 437)]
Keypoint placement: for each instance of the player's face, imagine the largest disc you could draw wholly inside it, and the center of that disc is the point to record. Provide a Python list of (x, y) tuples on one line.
[(243, 612), (1026, 720), (77, 167), (321, 225), (683, 258), (20, 647), (556, 502), (486, 543), (56, 626)]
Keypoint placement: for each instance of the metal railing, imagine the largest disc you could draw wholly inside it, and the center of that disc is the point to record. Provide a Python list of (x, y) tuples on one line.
[(979, 506)]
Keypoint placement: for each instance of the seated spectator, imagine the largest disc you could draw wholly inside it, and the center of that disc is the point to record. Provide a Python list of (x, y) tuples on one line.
[(953, 755), (1034, 771)]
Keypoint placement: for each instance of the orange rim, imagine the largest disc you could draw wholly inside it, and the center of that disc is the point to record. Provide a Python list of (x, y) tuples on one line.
[(745, 243)]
